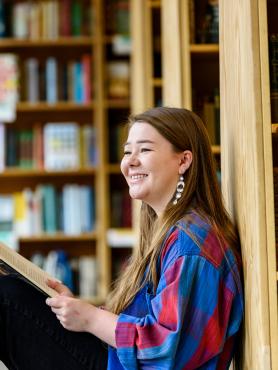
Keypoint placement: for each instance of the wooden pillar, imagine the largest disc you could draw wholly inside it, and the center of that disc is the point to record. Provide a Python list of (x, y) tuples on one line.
[(246, 162), (176, 68)]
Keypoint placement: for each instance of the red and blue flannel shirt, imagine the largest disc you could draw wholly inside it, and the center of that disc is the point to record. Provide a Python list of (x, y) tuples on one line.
[(192, 320)]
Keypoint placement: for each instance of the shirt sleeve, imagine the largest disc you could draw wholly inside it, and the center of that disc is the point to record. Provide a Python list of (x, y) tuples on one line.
[(187, 321)]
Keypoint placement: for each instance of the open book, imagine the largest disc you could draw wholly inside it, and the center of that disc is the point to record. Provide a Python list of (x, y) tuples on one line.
[(13, 263)]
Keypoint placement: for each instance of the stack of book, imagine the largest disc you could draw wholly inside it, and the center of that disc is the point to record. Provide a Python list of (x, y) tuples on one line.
[(47, 19), (54, 81), (47, 209), (78, 274), (54, 146), (204, 23)]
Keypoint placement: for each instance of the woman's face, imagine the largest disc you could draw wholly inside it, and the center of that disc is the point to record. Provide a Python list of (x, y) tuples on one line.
[(150, 166)]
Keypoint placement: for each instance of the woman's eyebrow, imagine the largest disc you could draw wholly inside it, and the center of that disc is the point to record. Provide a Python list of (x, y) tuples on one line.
[(140, 142)]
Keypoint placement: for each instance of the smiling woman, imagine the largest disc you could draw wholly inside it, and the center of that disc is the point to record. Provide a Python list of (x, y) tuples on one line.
[(179, 303)]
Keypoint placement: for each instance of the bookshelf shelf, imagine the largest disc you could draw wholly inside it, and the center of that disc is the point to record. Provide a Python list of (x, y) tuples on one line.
[(18, 173), (119, 103), (113, 169), (204, 48), (157, 82), (216, 149), (79, 41), (58, 237), (154, 3), (274, 128), (60, 106)]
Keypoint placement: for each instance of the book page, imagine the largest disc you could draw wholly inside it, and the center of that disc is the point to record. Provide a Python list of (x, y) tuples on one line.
[(29, 271)]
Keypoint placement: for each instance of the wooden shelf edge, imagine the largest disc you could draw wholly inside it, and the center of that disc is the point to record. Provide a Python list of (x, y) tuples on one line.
[(154, 4), (216, 149), (157, 82), (117, 103), (14, 172), (58, 237), (204, 48), (59, 106), (60, 41), (113, 168)]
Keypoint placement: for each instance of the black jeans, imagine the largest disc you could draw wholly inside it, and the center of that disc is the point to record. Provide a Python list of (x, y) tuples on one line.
[(31, 338)]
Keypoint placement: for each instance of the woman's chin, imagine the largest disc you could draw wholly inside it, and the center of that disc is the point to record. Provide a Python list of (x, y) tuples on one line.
[(135, 195)]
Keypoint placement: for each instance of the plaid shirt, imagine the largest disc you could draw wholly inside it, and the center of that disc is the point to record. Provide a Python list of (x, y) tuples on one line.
[(192, 319)]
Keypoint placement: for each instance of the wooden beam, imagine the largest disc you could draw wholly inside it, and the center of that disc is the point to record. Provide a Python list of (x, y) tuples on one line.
[(246, 162)]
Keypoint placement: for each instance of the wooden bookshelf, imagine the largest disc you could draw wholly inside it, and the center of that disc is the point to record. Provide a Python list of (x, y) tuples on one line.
[(102, 112)]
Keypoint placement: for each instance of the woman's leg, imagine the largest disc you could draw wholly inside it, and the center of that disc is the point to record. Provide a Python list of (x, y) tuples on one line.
[(31, 337)]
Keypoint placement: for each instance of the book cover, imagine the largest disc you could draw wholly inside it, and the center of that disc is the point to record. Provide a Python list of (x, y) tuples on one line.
[(13, 263), (61, 146)]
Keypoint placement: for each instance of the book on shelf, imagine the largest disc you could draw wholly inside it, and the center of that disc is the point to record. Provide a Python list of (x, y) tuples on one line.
[(32, 80), (61, 146), (53, 80), (2, 147), (7, 234), (206, 28), (51, 76), (8, 86), (118, 79), (12, 263), (118, 17)]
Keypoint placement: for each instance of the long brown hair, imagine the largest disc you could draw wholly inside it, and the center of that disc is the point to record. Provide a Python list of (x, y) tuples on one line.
[(185, 131)]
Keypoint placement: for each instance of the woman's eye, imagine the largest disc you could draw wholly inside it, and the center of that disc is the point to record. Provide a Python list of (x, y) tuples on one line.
[(127, 152), (145, 150)]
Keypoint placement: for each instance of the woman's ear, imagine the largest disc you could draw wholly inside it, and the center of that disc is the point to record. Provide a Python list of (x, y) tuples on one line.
[(185, 161)]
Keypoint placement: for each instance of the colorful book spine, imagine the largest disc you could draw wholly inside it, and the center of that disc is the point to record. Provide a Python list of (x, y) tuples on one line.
[(51, 80), (64, 18), (87, 80), (76, 18), (2, 147), (32, 80)]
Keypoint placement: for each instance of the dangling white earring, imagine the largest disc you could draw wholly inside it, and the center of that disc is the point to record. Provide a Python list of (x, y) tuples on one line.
[(180, 188)]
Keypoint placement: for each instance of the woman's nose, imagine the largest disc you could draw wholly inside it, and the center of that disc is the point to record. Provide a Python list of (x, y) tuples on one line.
[(133, 160)]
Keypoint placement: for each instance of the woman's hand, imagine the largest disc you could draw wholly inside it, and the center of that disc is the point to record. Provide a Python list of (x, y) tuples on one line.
[(74, 314), (78, 315), (59, 287)]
